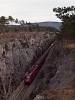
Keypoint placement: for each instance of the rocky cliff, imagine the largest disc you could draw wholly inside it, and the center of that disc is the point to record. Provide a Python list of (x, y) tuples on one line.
[(17, 56), (58, 81)]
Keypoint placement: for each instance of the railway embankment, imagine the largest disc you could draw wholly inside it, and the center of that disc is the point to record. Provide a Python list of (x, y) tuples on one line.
[(17, 55), (58, 74)]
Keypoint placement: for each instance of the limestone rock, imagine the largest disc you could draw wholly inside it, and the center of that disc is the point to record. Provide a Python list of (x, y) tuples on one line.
[(38, 97)]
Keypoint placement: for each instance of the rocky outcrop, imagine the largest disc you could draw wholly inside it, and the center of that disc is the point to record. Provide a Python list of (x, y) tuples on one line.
[(38, 97), (65, 74), (59, 80), (49, 69), (17, 56)]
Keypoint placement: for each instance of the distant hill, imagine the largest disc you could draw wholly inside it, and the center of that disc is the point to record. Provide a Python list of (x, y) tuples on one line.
[(49, 23)]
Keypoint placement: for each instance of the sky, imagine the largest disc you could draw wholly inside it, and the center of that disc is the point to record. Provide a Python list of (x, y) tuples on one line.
[(33, 10)]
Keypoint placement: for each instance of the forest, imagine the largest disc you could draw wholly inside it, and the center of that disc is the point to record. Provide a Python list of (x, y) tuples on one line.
[(9, 24)]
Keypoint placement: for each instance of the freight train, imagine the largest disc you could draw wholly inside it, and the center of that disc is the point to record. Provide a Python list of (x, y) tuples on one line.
[(30, 75)]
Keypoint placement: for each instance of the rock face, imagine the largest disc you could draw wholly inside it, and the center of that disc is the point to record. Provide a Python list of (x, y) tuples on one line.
[(48, 71), (17, 56), (58, 81), (65, 74), (38, 97)]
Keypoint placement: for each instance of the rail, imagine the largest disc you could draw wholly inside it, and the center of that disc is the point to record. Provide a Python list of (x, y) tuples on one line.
[(23, 91)]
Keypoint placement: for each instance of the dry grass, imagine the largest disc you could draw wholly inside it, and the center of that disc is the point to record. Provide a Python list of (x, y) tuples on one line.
[(67, 93), (10, 36), (69, 43)]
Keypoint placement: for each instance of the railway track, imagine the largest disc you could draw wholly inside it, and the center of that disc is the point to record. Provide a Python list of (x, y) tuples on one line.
[(23, 91), (18, 92)]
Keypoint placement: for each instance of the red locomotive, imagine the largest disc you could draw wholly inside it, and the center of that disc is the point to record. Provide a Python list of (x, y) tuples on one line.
[(29, 75)]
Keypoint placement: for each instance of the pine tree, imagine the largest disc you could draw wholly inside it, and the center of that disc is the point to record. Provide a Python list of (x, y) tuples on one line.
[(67, 16)]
